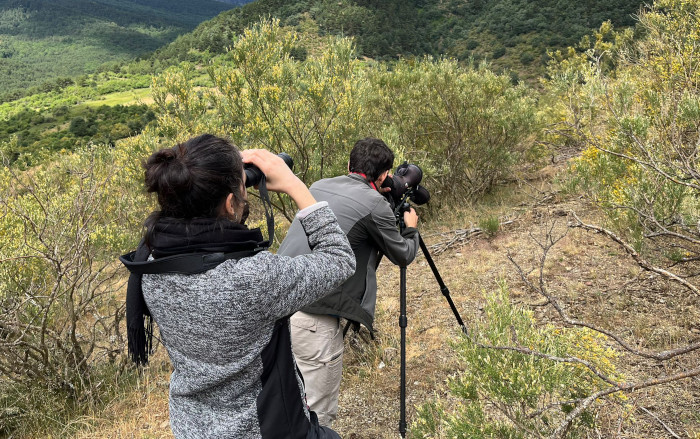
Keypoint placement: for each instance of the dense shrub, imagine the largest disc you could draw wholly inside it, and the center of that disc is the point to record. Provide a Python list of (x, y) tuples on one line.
[(62, 226), (634, 108), (467, 127), (504, 391)]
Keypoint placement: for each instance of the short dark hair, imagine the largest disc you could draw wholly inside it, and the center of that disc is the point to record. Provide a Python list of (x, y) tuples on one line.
[(371, 157), (193, 179)]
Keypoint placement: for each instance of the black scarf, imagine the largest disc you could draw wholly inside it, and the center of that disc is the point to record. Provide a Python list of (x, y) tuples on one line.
[(172, 236)]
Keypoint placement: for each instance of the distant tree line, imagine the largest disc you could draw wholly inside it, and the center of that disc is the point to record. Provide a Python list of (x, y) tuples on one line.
[(514, 34), (393, 28), (38, 134)]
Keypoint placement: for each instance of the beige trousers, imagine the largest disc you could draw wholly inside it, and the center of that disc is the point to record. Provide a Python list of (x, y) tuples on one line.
[(317, 343)]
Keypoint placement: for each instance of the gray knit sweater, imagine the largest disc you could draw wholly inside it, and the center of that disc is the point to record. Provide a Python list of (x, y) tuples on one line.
[(216, 324)]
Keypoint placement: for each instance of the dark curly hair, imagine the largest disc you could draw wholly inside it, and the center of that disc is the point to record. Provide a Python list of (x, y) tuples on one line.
[(371, 157)]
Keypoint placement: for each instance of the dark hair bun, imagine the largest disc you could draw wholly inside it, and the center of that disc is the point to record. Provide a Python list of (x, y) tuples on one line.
[(166, 171), (193, 179), (163, 156)]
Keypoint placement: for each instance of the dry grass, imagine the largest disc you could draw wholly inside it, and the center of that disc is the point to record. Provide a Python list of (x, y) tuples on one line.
[(587, 272), (140, 413), (590, 274)]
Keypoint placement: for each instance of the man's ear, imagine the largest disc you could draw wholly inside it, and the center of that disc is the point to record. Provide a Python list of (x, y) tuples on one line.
[(348, 166)]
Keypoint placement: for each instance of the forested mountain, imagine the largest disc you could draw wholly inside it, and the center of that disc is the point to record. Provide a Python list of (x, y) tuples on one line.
[(45, 39), (512, 34)]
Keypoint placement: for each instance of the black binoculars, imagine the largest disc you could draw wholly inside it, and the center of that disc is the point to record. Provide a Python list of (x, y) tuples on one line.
[(253, 174)]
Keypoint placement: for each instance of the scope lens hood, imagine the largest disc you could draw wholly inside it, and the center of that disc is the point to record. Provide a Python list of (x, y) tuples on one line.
[(412, 174), (407, 177)]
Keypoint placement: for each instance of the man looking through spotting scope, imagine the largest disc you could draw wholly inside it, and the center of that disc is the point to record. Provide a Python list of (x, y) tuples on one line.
[(366, 217)]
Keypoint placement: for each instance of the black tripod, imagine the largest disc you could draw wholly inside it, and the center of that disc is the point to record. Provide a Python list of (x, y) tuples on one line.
[(403, 320)]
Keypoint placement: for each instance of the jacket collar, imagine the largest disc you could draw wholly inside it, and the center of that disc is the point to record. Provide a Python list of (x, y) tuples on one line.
[(358, 177)]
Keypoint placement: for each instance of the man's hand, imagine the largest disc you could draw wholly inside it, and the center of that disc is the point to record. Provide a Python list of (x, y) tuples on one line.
[(378, 183), (410, 218)]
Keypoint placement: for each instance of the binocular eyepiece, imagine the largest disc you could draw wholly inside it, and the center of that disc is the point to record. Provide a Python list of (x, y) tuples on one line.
[(406, 180), (253, 174)]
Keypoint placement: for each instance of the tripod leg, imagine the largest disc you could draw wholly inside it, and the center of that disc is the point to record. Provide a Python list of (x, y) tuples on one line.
[(443, 288), (403, 322)]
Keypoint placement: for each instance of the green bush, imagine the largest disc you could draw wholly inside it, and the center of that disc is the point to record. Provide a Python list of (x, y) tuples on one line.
[(265, 97), (498, 52), (526, 58), (62, 226), (489, 225), (634, 112), (505, 393), (467, 127)]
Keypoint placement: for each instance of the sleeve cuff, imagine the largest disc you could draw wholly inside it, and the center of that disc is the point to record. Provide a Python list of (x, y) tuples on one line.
[(409, 232), (303, 213)]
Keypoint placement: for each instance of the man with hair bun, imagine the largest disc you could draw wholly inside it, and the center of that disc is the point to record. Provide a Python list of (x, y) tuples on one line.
[(367, 219)]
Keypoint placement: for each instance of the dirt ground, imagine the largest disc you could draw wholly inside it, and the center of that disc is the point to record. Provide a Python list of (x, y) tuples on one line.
[(587, 272)]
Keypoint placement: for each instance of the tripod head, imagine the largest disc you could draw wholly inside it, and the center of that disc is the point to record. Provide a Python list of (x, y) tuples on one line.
[(401, 207)]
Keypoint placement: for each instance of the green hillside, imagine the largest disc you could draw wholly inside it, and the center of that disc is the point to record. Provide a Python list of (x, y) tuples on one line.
[(563, 217), (41, 40), (512, 34), (39, 122)]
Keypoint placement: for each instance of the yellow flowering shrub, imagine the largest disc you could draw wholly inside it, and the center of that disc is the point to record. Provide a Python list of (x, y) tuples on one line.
[(637, 123), (467, 127)]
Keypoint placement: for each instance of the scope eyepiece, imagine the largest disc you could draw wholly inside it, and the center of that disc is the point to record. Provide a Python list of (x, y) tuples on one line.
[(253, 174)]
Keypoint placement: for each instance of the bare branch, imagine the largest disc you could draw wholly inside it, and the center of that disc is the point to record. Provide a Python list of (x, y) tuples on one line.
[(664, 230), (18, 258), (574, 360), (460, 236), (628, 388), (660, 356), (637, 258), (504, 409), (550, 299), (666, 427)]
